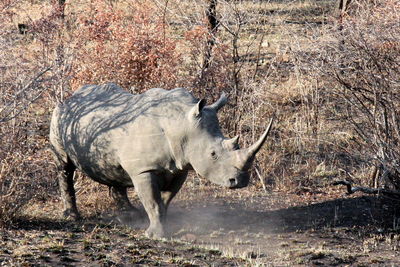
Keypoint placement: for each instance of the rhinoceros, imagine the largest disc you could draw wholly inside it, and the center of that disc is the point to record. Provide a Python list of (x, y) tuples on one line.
[(148, 141)]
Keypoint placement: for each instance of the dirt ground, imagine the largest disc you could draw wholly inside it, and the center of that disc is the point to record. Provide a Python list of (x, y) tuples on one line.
[(217, 227)]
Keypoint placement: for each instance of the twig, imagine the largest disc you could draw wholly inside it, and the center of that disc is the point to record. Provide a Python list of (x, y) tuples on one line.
[(32, 83), (352, 189), (261, 179)]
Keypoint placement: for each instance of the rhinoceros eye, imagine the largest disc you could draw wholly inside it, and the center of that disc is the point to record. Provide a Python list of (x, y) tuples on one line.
[(214, 155)]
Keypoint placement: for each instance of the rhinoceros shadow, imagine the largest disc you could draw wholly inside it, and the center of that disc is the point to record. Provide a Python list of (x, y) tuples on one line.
[(255, 218)]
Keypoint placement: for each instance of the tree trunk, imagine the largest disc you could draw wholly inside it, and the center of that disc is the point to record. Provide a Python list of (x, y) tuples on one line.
[(211, 14)]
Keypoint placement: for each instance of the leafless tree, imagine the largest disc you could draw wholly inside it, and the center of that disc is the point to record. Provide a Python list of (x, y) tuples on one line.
[(364, 71)]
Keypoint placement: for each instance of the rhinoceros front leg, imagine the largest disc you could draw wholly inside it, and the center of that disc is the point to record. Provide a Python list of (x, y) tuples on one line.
[(148, 189), (169, 192), (66, 183)]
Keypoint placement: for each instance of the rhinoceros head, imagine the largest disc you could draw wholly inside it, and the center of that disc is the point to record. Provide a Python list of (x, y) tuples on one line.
[(213, 156)]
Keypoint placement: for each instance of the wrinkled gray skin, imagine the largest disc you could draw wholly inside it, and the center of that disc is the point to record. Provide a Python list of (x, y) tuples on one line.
[(149, 141)]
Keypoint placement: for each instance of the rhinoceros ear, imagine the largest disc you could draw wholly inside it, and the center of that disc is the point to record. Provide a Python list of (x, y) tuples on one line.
[(220, 102), (195, 112)]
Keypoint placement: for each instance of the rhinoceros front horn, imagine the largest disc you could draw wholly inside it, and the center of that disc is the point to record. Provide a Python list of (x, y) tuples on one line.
[(249, 153)]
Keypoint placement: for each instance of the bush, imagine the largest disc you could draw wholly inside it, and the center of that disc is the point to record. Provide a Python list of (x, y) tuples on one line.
[(29, 72), (361, 58), (130, 47)]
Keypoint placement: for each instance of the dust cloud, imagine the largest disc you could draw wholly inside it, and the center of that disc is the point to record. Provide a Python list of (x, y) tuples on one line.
[(255, 228), (232, 228)]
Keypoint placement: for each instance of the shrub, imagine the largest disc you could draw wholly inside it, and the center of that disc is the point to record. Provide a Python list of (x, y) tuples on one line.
[(134, 50), (27, 74), (361, 59)]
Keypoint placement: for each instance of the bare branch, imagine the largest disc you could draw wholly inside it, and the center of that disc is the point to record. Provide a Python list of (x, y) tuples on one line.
[(30, 85), (352, 189)]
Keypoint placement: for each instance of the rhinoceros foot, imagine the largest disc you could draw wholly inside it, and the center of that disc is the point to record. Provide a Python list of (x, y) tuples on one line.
[(71, 214), (155, 232)]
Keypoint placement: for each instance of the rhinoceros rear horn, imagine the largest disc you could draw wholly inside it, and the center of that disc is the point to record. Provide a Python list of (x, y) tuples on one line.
[(219, 103), (233, 143)]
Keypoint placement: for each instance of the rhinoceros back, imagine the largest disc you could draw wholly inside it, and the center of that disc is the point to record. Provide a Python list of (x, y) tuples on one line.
[(90, 123)]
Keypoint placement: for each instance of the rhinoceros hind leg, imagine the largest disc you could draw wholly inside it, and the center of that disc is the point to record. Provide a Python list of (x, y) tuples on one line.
[(120, 197), (66, 183)]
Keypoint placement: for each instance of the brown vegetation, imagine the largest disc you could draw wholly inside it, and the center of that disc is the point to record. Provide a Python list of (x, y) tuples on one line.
[(127, 46), (361, 59)]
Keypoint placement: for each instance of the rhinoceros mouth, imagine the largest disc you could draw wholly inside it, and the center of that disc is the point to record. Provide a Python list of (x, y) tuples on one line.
[(239, 182)]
